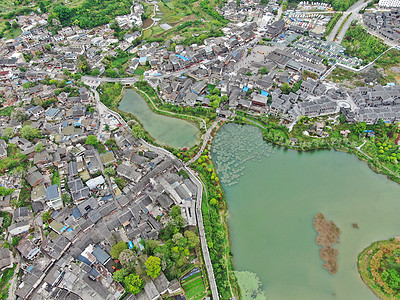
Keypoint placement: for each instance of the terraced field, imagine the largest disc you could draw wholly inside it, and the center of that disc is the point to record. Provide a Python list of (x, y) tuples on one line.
[(194, 287)]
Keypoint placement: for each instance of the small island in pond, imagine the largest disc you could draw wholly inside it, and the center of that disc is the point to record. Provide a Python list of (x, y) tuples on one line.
[(328, 235), (379, 268)]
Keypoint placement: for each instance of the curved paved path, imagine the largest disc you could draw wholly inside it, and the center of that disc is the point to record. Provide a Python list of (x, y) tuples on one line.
[(204, 247), (207, 137), (203, 240)]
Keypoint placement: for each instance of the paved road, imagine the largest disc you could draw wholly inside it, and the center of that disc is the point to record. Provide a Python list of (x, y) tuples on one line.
[(280, 11), (204, 247), (342, 33), (207, 137), (203, 240), (352, 10)]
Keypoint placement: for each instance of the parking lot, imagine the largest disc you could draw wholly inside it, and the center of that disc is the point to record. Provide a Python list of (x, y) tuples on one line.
[(332, 51)]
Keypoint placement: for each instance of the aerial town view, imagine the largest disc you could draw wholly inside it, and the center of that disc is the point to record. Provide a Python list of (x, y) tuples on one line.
[(199, 149)]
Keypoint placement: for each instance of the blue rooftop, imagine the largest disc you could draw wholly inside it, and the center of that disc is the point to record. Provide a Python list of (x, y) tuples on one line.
[(52, 112), (101, 255), (52, 192), (245, 89), (84, 260), (182, 57), (105, 198), (76, 212), (264, 93)]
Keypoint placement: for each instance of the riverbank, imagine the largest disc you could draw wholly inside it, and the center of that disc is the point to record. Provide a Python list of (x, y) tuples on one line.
[(214, 207), (111, 95), (215, 211), (378, 151), (216, 228)]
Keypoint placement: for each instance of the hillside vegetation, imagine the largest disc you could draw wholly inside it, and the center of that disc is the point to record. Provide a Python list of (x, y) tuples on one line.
[(361, 44)]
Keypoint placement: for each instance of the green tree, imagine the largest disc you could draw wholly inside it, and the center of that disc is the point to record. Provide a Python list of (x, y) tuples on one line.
[(39, 147), (46, 216), (138, 132), (119, 275), (92, 140), (153, 266), (8, 132), (127, 258), (95, 72), (175, 211), (42, 7), (133, 284), (83, 65), (192, 238), (110, 171), (263, 71), (285, 88), (151, 245), (216, 92), (66, 198), (28, 132), (117, 248), (4, 191), (213, 202), (15, 240)]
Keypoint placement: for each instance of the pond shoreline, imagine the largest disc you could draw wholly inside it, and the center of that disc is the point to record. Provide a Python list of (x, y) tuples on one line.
[(151, 109), (365, 231), (152, 106)]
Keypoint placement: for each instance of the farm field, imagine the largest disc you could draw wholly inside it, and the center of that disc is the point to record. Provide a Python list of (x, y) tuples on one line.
[(194, 287)]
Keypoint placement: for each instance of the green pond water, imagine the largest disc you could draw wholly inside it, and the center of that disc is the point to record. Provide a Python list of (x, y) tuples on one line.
[(165, 130), (273, 196)]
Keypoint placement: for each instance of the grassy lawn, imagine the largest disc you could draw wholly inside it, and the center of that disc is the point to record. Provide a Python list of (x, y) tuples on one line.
[(139, 71), (340, 75), (194, 287)]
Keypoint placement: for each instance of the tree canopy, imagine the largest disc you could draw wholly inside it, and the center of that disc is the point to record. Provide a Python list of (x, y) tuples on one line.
[(91, 13), (92, 140), (127, 258), (153, 266), (133, 284), (192, 239), (117, 248), (29, 133), (39, 147), (4, 191), (119, 275), (138, 131)]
